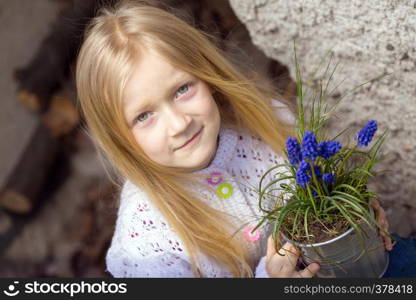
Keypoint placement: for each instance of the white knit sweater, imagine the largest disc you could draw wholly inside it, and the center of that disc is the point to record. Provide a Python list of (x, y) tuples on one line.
[(144, 245)]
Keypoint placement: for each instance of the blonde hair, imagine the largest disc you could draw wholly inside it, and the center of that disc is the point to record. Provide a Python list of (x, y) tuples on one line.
[(105, 62)]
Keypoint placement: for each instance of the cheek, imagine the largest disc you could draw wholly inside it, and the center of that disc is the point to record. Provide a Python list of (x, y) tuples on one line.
[(212, 112), (207, 106), (153, 144)]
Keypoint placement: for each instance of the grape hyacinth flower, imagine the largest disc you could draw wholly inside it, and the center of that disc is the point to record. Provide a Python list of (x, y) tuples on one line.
[(365, 135), (317, 171), (293, 150), (328, 177), (327, 149), (302, 176), (309, 146)]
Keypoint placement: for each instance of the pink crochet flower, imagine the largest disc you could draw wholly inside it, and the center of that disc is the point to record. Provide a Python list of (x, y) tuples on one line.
[(252, 237), (214, 178)]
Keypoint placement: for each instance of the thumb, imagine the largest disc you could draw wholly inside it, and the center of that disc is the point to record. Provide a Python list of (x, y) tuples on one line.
[(309, 271), (375, 203), (271, 250)]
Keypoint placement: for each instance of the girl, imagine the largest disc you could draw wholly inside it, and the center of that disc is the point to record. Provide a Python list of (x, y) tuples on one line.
[(190, 136)]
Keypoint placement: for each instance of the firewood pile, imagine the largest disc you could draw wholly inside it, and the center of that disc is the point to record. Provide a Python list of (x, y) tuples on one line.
[(58, 207)]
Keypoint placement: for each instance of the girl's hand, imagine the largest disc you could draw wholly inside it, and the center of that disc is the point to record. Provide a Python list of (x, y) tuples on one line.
[(285, 266), (382, 220)]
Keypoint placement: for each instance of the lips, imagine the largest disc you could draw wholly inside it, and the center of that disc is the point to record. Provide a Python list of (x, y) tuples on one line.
[(193, 137)]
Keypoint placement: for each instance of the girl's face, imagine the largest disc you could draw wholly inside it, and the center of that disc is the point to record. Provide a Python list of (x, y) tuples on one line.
[(172, 115)]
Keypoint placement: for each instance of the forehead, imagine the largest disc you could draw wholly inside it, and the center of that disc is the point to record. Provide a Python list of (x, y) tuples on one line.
[(151, 77)]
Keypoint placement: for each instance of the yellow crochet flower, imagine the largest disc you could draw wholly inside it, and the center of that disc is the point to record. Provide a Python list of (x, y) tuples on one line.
[(225, 190)]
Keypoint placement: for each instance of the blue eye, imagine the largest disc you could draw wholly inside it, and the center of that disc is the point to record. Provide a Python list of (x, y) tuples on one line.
[(182, 89), (139, 119)]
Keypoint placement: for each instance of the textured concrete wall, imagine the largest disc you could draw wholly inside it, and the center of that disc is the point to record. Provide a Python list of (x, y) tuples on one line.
[(369, 38)]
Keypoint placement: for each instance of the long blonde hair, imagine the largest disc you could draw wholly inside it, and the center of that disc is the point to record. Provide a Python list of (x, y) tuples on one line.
[(105, 62)]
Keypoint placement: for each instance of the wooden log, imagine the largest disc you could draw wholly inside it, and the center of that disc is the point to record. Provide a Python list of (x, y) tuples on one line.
[(62, 116), (29, 99), (26, 181), (51, 65), (6, 223), (96, 219)]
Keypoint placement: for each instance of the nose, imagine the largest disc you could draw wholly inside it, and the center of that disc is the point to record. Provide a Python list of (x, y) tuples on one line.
[(177, 120)]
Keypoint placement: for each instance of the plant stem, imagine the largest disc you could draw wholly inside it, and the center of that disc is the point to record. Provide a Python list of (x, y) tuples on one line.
[(349, 153), (312, 199), (315, 180)]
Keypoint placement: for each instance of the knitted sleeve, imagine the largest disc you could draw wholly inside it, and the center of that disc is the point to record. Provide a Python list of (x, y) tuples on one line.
[(283, 111), (141, 245), (261, 271)]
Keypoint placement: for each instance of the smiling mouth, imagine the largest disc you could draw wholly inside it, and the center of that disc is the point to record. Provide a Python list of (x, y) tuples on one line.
[(190, 140)]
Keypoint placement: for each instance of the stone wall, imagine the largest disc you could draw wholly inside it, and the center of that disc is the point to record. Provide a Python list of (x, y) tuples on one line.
[(368, 38)]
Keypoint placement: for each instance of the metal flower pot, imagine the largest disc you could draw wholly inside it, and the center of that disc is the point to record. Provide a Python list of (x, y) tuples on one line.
[(344, 255)]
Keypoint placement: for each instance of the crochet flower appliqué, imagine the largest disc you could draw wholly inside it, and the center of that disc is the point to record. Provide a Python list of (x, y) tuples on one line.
[(214, 178), (251, 237), (224, 190)]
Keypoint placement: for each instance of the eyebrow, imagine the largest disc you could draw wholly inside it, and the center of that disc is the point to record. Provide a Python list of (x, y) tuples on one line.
[(143, 105)]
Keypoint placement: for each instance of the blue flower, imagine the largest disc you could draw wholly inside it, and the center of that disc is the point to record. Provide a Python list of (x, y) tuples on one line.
[(293, 150), (302, 176), (328, 177), (327, 149), (317, 171), (309, 146), (365, 135)]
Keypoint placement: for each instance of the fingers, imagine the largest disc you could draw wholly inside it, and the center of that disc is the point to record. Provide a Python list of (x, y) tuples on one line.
[(271, 250), (382, 220), (291, 253), (384, 235), (386, 239), (388, 244), (282, 264), (375, 203), (309, 271), (380, 213)]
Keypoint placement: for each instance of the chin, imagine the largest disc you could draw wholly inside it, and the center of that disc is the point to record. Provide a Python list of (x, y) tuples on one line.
[(205, 156), (208, 156)]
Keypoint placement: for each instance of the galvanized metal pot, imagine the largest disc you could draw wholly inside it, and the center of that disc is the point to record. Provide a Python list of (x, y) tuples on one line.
[(348, 255)]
